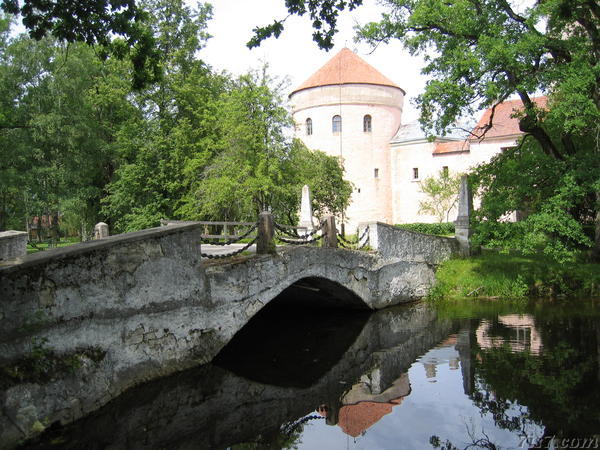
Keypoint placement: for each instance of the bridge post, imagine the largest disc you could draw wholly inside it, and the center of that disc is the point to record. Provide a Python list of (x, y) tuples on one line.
[(264, 241), (329, 233)]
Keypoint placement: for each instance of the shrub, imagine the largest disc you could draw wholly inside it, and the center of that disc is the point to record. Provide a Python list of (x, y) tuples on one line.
[(442, 229)]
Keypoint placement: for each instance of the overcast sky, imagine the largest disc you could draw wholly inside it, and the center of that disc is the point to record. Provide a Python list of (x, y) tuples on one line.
[(294, 54)]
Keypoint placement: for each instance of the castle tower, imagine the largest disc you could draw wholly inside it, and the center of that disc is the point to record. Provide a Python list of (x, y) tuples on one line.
[(349, 110)]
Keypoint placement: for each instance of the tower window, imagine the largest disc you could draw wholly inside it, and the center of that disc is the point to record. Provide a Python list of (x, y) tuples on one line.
[(445, 171), (376, 173), (336, 124), (309, 130), (367, 124), (415, 173)]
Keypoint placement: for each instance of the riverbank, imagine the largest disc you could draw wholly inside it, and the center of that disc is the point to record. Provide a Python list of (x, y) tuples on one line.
[(495, 275)]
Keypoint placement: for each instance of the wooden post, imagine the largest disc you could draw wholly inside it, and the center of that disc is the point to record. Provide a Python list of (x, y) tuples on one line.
[(329, 233), (265, 243)]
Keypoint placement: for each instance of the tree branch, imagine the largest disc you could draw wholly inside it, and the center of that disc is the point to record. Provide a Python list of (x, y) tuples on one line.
[(514, 16), (488, 126), (530, 124)]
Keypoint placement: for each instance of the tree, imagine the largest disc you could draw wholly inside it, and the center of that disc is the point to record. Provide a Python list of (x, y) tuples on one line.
[(118, 27), (174, 133), (481, 52), (442, 194), (260, 168), (58, 112), (325, 176)]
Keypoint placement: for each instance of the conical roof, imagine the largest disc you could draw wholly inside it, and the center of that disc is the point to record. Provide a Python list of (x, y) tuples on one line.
[(346, 67)]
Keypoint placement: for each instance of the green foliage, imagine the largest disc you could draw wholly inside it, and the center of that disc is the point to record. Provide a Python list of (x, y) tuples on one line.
[(258, 167), (248, 175), (43, 364), (34, 322), (557, 216), (509, 276), (117, 27), (324, 176), (59, 108), (440, 229), (442, 195)]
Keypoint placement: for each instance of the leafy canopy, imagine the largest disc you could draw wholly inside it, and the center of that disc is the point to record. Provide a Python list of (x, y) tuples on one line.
[(118, 27)]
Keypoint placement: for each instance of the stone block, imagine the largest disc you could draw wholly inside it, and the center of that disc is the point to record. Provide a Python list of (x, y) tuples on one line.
[(13, 244), (101, 231)]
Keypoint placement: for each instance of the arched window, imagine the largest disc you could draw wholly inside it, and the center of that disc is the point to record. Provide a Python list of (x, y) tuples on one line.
[(308, 126), (367, 124), (336, 124)]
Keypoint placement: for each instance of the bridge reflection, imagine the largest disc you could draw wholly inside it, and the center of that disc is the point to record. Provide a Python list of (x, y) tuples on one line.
[(353, 366)]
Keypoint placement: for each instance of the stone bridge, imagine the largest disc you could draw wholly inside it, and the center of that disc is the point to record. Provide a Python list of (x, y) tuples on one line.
[(103, 316)]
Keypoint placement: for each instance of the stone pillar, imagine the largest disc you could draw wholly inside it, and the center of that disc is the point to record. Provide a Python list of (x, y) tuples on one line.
[(264, 243), (329, 233), (13, 244), (306, 212), (463, 221), (101, 230)]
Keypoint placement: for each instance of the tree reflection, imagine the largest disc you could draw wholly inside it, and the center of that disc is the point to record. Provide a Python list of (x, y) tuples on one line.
[(527, 388)]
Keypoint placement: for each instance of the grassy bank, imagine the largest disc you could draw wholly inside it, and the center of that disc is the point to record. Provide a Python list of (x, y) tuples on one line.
[(34, 247), (494, 275)]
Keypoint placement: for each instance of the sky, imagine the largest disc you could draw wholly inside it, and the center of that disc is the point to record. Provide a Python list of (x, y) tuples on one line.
[(294, 54)]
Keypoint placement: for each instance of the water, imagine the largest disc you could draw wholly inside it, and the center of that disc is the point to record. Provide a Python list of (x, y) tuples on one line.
[(483, 374)]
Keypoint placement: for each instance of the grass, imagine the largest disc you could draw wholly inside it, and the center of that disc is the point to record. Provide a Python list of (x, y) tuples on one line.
[(495, 275), (41, 246)]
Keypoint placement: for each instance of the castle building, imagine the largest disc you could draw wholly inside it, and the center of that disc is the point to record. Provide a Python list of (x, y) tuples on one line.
[(350, 110)]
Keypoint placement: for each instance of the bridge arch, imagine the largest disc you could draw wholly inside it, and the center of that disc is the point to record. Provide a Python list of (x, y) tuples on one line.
[(297, 337), (318, 292)]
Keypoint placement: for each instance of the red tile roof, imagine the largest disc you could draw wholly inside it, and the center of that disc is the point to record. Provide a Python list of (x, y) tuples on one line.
[(503, 124), (346, 68), (355, 419), (451, 147)]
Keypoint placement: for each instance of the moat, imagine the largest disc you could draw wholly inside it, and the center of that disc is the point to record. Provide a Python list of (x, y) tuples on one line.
[(513, 375)]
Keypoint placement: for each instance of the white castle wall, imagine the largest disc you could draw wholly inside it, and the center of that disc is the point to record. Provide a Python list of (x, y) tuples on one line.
[(406, 191)]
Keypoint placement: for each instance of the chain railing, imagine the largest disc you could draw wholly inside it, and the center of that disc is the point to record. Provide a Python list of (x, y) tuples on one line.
[(215, 239), (294, 238), (290, 427), (268, 232), (229, 255), (210, 239), (360, 243)]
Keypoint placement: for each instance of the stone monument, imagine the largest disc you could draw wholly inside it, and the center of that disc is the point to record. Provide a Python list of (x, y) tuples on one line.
[(306, 213), (101, 230), (463, 221)]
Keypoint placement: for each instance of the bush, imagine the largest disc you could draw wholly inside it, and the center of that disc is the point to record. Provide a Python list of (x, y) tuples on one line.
[(442, 229)]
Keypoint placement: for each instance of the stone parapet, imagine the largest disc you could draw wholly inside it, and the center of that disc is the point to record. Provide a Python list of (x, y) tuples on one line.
[(396, 243), (13, 244)]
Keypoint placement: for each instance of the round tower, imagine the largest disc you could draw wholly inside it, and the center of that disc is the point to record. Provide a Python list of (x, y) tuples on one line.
[(349, 110)]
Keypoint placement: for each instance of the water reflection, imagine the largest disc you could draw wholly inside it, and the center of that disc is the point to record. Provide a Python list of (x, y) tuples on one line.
[(518, 331), (413, 377)]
